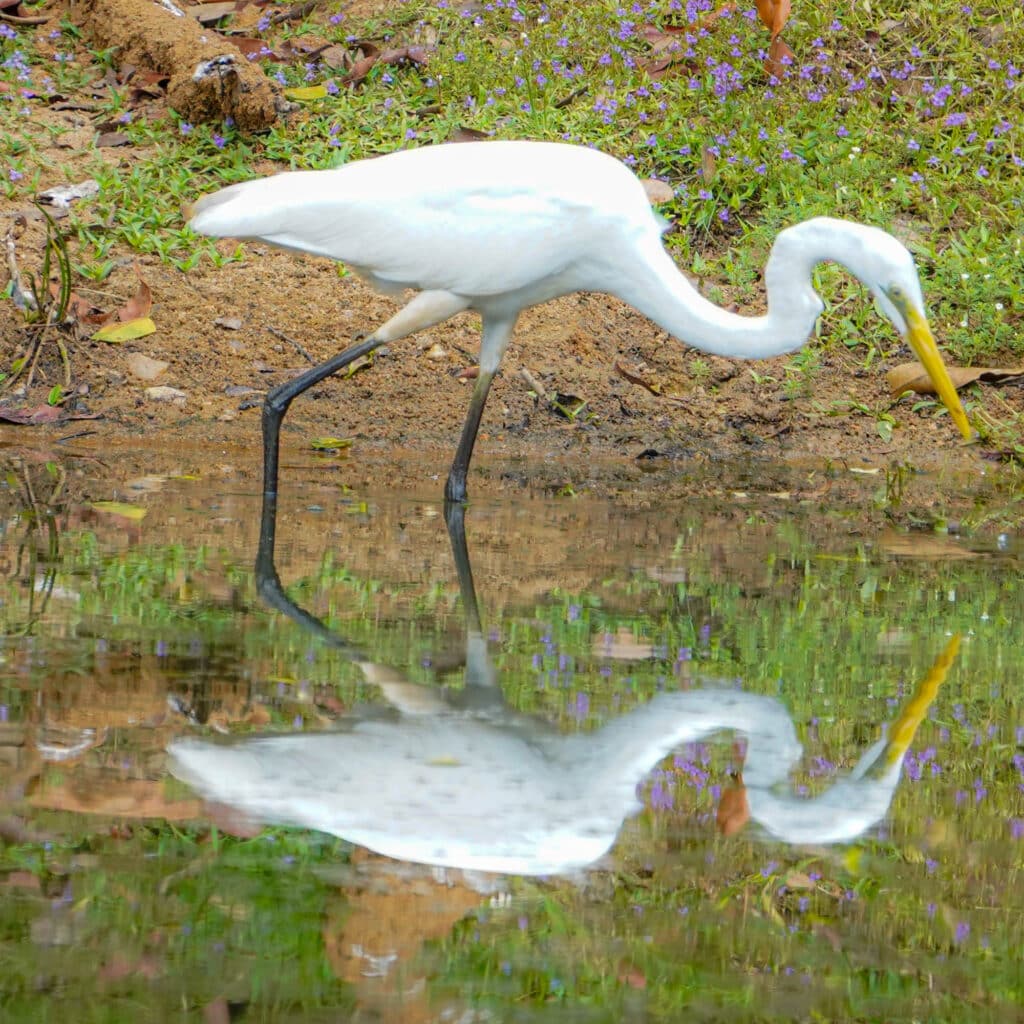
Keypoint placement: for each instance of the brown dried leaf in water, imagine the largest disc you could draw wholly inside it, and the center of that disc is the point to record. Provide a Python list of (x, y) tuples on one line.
[(919, 544), (780, 56), (733, 809), (913, 377)]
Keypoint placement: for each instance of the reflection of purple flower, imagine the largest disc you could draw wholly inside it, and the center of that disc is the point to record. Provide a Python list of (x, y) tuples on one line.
[(581, 706), (963, 929)]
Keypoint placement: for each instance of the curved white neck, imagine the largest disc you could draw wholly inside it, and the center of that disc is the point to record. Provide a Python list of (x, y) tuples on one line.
[(661, 292)]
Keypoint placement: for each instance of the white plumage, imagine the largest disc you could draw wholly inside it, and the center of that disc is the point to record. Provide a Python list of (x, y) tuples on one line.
[(501, 226)]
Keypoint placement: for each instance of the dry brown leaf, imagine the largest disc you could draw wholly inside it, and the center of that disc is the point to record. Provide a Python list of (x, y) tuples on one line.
[(633, 378), (461, 134), (923, 545), (913, 377), (30, 417), (773, 14), (658, 191), (707, 165), (402, 55), (779, 56), (140, 304)]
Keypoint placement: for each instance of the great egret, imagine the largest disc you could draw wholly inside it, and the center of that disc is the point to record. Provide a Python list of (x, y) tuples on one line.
[(500, 226)]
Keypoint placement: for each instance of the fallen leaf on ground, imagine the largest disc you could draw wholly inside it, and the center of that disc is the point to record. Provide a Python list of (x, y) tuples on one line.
[(29, 417), (635, 378), (403, 55), (120, 508), (306, 93), (773, 14), (658, 191), (118, 333), (779, 57), (913, 377)]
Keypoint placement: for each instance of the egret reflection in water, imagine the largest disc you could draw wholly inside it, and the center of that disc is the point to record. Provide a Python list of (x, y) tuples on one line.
[(462, 780)]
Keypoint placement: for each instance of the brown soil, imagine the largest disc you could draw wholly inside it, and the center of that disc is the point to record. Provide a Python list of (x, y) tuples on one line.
[(413, 397)]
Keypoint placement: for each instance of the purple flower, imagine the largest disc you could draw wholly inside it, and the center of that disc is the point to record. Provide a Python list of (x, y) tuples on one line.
[(953, 120)]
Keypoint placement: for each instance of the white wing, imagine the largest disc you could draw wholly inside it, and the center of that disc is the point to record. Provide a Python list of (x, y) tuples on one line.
[(475, 219)]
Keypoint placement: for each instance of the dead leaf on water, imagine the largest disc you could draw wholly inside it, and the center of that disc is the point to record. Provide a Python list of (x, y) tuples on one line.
[(330, 444), (120, 508), (622, 645), (924, 545), (913, 377)]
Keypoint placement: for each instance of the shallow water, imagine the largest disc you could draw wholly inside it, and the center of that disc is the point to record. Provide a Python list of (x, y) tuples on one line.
[(743, 756)]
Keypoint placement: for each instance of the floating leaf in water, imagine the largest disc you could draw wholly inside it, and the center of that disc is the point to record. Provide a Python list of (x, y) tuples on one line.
[(120, 508), (330, 444)]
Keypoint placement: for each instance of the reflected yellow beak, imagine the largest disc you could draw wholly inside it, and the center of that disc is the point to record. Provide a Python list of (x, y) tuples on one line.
[(920, 337)]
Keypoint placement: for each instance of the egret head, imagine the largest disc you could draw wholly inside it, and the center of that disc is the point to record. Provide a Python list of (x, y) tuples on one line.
[(886, 266)]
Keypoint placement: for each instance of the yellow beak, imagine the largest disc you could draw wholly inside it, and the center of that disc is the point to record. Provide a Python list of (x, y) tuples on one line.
[(920, 337)]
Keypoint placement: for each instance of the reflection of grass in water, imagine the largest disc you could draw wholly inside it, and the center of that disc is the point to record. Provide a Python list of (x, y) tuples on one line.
[(153, 922), (925, 916)]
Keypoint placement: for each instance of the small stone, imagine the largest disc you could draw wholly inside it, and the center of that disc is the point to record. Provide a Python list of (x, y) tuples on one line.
[(229, 323), (144, 367), (163, 393), (436, 352)]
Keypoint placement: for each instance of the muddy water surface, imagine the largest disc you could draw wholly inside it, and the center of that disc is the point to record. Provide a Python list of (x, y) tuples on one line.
[(749, 753)]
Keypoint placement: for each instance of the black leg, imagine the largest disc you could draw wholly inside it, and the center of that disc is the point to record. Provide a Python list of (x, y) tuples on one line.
[(278, 399), (455, 488)]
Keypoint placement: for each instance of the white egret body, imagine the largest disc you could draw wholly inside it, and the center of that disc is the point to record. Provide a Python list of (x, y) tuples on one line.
[(500, 226)]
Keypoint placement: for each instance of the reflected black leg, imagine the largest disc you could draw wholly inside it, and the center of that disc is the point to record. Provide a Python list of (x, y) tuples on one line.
[(455, 518), (274, 407)]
